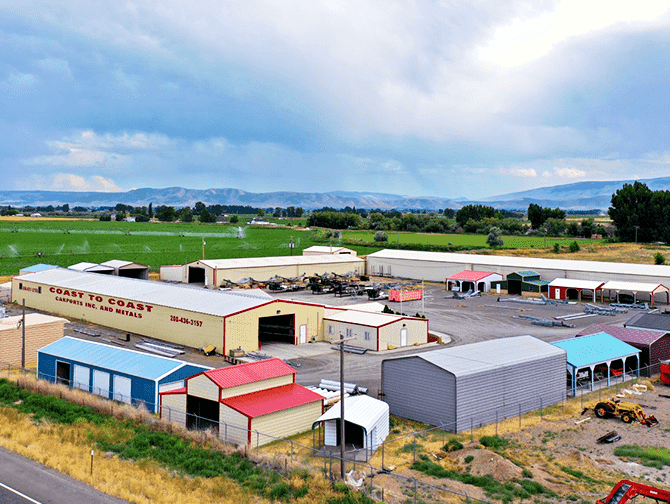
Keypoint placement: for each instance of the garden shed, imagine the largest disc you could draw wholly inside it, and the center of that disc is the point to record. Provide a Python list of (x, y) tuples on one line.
[(254, 403), (569, 288), (598, 354), (471, 385), (474, 281), (366, 423), (654, 346), (120, 374)]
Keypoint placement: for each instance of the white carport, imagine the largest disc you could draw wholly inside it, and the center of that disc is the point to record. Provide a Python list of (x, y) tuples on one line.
[(570, 288), (635, 288), (366, 423), (92, 268)]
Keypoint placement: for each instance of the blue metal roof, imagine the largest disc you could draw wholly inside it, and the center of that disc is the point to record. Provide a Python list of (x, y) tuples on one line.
[(121, 360), (600, 347), (38, 267)]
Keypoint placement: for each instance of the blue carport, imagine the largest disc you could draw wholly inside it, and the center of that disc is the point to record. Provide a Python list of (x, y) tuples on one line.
[(112, 372), (590, 351)]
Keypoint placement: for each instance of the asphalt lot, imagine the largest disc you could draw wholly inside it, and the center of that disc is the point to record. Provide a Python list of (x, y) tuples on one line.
[(464, 321)]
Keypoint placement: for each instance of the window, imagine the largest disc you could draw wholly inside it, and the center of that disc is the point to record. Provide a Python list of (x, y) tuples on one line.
[(330, 329), (39, 290), (349, 333), (367, 335)]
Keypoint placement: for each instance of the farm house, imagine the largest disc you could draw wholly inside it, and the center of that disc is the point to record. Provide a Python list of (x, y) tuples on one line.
[(475, 281), (471, 385), (40, 330), (376, 331), (654, 346), (366, 423), (176, 313), (215, 272), (570, 288), (114, 373), (253, 403), (589, 357)]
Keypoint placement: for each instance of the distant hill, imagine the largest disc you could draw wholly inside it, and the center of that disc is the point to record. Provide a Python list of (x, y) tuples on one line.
[(577, 196)]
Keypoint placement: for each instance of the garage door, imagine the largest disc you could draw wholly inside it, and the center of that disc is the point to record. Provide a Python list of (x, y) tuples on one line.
[(82, 377), (122, 389), (101, 383), (278, 328)]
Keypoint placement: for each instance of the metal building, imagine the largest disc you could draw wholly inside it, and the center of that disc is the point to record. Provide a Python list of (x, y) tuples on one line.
[(254, 403), (115, 267), (476, 281), (40, 330), (322, 249), (366, 423), (436, 266), (476, 384), (572, 288), (114, 373), (177, 313), (215, 272)]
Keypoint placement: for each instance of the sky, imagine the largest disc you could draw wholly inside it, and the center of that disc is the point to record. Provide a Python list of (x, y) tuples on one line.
[(416, 98)]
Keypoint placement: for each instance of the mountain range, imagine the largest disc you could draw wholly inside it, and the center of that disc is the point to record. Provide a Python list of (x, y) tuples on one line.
[(576, 196)]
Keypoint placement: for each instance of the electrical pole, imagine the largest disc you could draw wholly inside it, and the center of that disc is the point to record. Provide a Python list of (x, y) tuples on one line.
[(341, 342), (23, 335), (291, 245), (636, 228), (203, 248)]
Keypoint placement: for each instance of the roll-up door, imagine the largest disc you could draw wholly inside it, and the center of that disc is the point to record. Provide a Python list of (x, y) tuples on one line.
[(100, 383), (122, 389), (82, 377)]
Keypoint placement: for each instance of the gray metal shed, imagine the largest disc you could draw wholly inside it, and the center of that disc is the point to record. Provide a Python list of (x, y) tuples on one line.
[(473, 385)]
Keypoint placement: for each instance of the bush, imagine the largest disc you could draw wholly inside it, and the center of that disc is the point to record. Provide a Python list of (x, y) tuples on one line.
[(381, 236), (452, 445), (659, 258), (557, 248), (234, 219), (106, 217), (142, 218), (574, 247), (494, 442), (494, 239), (469, 459)]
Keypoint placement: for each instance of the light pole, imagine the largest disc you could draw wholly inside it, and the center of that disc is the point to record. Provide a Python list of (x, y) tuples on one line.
[(636, 228), (341, 342)]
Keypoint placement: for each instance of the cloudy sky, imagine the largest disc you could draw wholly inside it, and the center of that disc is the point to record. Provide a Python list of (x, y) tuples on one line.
[(449, 99)]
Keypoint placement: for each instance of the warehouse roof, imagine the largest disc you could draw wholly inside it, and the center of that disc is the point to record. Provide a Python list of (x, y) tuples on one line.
[(649, 321), (211, 302), (118, 263), (627, 334), (31, 319), (527, 262), (250, 372), (479, 357), (364, 318), (272, 400), (594, 349), (471, 276), (359, 409), (573, 283), (261, 262), (37, 267), (634, 286), (88, 266), (122, 360)]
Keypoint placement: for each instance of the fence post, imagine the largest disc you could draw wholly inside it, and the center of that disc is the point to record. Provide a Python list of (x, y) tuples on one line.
[(291, 452), (519, 415), (416, 489), (383, 446), (414, 447)]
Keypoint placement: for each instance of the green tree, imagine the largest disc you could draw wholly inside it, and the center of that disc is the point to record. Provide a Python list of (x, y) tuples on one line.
[(199, 207), (449, 213), (105, 217), (632, 213), (494, 239), (659, 258), (151, 210), (574, 247), (474, 212), (538, 215), (381, 236), (166, 213), (555, 227), (207, 217), (234, 219), (185, 214)]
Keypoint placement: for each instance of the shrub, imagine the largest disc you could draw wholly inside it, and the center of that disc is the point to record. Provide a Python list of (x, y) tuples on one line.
[(494, 442), (574, 247), (105, 217), (469, 459), (557, 248), (381, 236), (452, 445), (659, 258), (142, 218), (494, 239)]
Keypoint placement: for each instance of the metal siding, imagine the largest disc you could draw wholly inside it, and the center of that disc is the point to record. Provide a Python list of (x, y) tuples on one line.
[(143, 389), (247, 388), (237, 431), (174, 408), (285, 423), (358, 332), (330, 433), (419, 391), (182, 373), (203, 387), (46, 365), (660, 350)]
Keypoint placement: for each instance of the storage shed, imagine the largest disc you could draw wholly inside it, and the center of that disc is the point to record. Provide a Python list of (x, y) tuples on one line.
[(254, 403), (376, 331), (366, 423), (519, 282), (569, 288), (598, 354), (40, 330), (475, 281), (654, 346), (114, 373), (471, 385)]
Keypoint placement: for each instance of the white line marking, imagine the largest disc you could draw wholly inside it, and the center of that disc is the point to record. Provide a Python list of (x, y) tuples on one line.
[(20, 494)]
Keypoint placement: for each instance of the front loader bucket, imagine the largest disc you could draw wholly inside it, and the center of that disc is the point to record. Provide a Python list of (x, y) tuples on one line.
[(650, 421)]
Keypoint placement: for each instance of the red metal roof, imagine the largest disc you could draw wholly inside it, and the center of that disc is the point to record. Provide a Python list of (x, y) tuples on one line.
[(249, 372), (471, 276), (272, 400), (627, 334)]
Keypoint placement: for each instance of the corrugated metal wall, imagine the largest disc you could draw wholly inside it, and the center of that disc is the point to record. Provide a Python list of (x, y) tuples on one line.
[(412, 388)]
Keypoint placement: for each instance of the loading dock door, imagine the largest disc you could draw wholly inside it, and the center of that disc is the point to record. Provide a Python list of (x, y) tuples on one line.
[(202, 414), (280, 328), (196, 275)]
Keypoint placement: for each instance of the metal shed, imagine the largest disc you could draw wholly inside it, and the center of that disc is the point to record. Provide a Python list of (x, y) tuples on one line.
[(128, 269), (472, 280), (366, 423), (114, 373), (476, 384), (587, 353), (654, 346), (571, 288)]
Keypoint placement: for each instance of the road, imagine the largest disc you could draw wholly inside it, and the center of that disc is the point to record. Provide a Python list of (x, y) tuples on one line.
[(23, 481)]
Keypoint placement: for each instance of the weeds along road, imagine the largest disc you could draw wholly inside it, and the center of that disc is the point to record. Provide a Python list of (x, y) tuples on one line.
[(42, 485)]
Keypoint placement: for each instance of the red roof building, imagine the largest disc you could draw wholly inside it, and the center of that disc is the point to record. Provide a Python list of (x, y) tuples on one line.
[(472, 280), (253, 403)]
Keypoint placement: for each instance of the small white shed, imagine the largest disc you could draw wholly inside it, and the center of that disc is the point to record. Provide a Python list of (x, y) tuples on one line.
[(366, 423)]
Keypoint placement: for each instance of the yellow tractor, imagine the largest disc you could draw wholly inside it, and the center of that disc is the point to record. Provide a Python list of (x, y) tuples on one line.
[(627, 411)]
